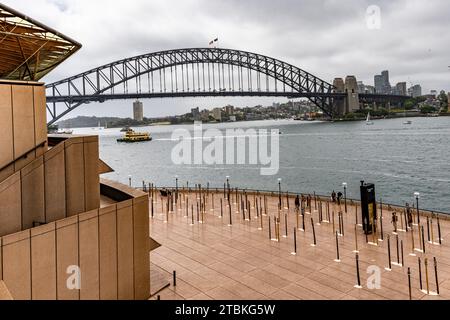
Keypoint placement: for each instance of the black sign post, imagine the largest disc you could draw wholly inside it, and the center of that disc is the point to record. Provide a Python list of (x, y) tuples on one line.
[(368, 207)]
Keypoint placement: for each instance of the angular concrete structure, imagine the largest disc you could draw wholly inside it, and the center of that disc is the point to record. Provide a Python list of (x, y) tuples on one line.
[(60, 224)]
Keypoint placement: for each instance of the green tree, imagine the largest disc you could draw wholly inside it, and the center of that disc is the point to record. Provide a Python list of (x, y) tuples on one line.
[(425, 109), (443, 98)]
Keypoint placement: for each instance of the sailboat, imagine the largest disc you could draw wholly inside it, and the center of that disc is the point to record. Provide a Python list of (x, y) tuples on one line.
[(368, 121)]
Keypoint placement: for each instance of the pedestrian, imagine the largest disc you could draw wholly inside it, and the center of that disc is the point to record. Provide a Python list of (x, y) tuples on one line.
[(409, 215), (333, 196), (339, 197), (394, 220), (297, 203)]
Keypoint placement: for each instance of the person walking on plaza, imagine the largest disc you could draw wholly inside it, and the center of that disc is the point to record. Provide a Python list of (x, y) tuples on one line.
[(339, 197), (409, 215), (333, 196), (394, 220), (297, 203)]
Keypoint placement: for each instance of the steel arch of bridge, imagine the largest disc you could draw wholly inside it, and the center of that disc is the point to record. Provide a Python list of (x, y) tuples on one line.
[(98, 84)]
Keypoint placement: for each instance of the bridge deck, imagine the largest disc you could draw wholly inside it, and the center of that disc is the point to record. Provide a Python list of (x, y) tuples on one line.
[(217, 261)]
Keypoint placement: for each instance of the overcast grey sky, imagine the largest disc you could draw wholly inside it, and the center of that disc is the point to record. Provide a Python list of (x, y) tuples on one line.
[(328, 38)]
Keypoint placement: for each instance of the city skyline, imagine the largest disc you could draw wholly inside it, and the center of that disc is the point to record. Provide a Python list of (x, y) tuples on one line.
[(413, 52)]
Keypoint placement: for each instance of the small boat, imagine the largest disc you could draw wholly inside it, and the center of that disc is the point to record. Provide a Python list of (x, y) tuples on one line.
[(368, 121), (132, 136), (407, 122), (64, 131)]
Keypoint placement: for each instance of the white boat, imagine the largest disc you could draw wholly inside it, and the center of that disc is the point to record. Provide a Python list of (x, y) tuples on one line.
[(368, 121), (407, 122)]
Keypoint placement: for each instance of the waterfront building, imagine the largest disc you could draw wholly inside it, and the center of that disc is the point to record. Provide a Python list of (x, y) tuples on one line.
[(382, 84), (195, 112), (138, 110), (229, 110), (415, 91), (401, 89), (217, 114), (378, 81), (58, 219), (361, 87)]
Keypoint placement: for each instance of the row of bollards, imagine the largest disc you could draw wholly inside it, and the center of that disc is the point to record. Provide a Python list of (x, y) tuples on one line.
[(245, 204)]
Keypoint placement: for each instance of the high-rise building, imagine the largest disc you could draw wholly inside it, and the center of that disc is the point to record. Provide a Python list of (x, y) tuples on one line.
[(415, 91), (401, 89), (217, 114), (138, 110), (195, 113), (378, 80), (361, 87), (229, 110), (382, 84)]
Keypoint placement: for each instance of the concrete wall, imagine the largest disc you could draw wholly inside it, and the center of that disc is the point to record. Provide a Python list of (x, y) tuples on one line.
[(23, 124), (110, 245), (62, 182)]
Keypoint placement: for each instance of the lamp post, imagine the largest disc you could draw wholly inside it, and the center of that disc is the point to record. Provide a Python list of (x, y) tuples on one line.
[(129, 180), (344, 184), (176, 189), (279, 193), (228, 187), (416, 195)]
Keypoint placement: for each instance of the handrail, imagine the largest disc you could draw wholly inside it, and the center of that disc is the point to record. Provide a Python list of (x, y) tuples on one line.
[(290, 193), (23, 155)]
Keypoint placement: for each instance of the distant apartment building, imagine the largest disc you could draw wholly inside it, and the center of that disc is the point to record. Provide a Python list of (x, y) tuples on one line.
[(195, 112), (415, 91), (382, 84), (229, 110), (361, 87), (400, 89), (138, 110), (433, 93), (217, 114)]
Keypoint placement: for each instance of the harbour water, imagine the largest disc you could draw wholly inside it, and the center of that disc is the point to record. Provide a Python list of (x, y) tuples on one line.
[(314, 157)]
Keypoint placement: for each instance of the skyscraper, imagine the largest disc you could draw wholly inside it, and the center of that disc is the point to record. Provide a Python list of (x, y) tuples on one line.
[(378, 80), (382, 84), (401, 88), (138, 110)]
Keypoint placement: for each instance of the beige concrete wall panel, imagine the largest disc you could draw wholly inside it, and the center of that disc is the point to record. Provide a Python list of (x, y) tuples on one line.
[(125, 251), (17, 264), (141, 249), (10, 205), (6, 126), (40, 114), (67, 256), (6, 172), (89, 255), (74, 159), (55, 183), (23, 119), (43, 262), (33, 202), (92, 179), (25, 160), (108, 253)]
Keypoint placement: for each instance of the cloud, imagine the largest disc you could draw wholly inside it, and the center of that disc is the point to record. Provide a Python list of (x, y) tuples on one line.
[(328, 38)]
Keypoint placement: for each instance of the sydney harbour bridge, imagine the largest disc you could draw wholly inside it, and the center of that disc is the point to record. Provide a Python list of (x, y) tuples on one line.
[(204, 72)]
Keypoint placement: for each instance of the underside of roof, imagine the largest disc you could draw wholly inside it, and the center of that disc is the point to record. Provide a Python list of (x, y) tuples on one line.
[(29, 49)]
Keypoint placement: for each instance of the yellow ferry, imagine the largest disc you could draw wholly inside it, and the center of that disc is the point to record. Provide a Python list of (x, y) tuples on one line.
[(132, 136)]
